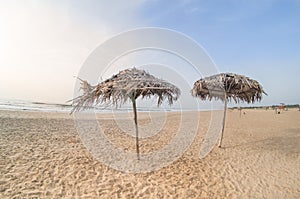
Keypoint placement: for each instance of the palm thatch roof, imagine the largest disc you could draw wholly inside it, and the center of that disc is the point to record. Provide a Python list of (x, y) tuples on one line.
[(127, 84), (229, 86)]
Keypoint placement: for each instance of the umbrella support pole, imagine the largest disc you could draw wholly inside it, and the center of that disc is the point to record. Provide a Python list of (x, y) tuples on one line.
[(136, 128), (224, 117)]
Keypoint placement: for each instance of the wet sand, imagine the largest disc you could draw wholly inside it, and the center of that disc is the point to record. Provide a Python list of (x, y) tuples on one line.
[(42, 156)]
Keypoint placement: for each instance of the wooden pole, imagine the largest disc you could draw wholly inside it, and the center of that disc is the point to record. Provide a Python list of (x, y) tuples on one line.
[(224, 117), (136, 128)]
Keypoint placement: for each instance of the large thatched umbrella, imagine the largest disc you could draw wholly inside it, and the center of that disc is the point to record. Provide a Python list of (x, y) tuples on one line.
[(127, 84), (227, 86)]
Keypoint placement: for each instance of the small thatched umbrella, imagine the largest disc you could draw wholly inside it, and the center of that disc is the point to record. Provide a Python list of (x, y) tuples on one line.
[(127, 84), (227, 86)]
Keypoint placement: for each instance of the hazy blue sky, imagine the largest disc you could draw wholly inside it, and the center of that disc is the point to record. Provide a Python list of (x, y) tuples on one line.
[(43, 44)]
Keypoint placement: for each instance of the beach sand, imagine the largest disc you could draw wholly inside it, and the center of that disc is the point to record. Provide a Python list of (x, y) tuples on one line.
[(42, 156)]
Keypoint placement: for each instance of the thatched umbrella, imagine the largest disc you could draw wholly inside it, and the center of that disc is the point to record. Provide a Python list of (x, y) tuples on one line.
[(127, 84), (227, 86)]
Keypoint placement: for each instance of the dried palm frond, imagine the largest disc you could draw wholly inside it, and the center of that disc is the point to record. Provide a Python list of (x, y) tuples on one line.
[(236, 87), (127, 84)]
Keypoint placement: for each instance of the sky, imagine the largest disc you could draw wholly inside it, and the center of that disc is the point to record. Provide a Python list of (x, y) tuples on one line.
[(43, 44)]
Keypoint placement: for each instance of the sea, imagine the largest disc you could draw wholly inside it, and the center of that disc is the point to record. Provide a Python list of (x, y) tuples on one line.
[(23, 105)]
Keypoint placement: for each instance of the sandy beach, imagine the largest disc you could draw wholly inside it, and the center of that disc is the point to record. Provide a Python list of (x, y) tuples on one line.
[(42, 156)]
